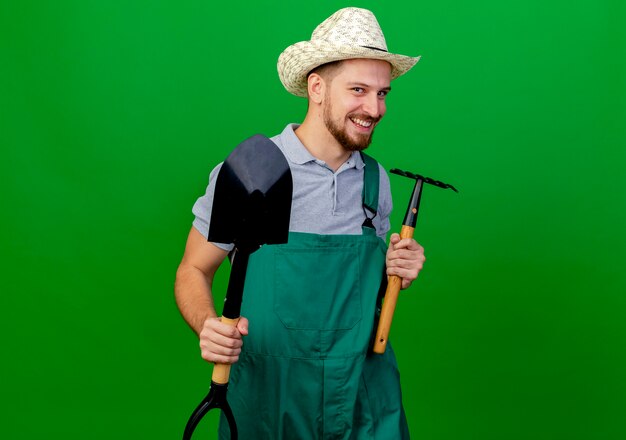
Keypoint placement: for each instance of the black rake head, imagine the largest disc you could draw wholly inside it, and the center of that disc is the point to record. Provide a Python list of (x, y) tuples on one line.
[(423, 179)]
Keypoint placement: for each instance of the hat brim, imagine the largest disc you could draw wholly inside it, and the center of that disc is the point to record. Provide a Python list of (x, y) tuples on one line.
[(295, 63)]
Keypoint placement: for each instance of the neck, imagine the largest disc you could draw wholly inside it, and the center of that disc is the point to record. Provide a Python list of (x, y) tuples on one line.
[(321, 143)]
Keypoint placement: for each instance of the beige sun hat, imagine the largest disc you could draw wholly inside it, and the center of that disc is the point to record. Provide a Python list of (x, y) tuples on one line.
[(348, 33)]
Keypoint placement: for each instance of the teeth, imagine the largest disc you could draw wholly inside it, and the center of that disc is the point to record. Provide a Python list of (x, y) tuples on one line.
[(361, 122)]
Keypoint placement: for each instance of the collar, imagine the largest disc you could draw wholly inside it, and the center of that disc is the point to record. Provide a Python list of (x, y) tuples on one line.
[(296, 152)]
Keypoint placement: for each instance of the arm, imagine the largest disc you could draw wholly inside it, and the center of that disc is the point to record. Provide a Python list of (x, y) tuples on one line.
[(405, 258), (219, 343)]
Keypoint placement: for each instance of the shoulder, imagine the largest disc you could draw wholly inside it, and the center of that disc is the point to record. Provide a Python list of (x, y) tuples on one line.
[(383, 178), (384, 191)]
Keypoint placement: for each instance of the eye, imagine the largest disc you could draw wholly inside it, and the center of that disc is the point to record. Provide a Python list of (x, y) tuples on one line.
[(383, 93), (358, 89)]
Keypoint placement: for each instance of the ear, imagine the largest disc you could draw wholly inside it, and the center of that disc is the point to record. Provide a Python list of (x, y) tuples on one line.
[(315, 88)]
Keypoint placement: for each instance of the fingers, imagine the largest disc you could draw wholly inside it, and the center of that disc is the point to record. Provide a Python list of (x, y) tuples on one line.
[(405, 258), (404, 243), (221, 343), (405, 253)]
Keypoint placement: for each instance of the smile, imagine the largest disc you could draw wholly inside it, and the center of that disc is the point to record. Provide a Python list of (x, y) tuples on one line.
[(361, 122)]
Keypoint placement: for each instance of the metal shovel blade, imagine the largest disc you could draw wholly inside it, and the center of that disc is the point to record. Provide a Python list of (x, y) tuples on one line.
[(252, 202)]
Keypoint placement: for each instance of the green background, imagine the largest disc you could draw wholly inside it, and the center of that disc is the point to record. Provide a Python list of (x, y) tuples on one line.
[(112, 114)]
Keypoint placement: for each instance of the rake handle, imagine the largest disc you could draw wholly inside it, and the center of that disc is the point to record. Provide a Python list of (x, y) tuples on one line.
[(221, 372), (394, 284)]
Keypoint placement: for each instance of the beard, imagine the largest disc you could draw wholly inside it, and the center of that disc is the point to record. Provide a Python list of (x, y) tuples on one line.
[(360, 142)]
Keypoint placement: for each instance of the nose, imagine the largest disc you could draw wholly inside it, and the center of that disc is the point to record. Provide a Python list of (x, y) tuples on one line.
[(373, 106)]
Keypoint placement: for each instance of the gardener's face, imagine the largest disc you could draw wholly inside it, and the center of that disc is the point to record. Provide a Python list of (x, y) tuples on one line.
[(355, 101)]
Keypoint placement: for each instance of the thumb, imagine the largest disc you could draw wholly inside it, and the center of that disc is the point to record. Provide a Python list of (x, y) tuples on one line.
[(242, 326), (395, 238)]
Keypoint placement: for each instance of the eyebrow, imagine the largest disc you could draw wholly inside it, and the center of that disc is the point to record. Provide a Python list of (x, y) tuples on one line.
[(367, 86)]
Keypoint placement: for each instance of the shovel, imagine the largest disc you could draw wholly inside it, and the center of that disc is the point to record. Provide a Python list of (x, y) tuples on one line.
[(251, 207)]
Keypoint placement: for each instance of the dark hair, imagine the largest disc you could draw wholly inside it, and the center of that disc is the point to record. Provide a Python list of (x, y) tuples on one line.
[(327, 71)]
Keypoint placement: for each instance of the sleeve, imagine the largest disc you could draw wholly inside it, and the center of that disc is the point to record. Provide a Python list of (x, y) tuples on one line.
[(203, 207), (385, 204)]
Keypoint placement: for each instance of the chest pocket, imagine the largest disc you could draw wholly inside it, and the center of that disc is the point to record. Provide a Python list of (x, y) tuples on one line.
[(326, 293)]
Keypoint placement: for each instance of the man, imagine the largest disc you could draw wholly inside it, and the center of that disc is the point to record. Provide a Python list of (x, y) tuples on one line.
[(304, 370)]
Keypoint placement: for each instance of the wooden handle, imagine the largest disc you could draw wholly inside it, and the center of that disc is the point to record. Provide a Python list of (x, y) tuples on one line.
[(221, 372), (394, 284)]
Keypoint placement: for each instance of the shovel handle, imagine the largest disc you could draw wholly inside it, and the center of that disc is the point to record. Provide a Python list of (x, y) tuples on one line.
[(221, 372), (394, 283)]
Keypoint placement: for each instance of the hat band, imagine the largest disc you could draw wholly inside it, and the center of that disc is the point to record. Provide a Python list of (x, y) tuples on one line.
[(375, 48)]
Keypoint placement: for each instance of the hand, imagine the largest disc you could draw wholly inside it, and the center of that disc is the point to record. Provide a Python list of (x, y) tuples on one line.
[(405, 258), (221, 343)]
